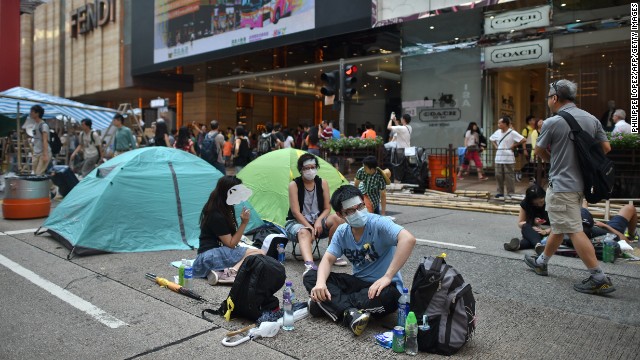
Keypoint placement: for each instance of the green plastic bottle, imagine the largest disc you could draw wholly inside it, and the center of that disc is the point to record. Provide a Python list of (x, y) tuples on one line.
[(411, 334), (181, 272)]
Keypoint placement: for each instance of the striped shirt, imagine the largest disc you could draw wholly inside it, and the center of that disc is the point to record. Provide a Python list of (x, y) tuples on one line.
[(371, 185)]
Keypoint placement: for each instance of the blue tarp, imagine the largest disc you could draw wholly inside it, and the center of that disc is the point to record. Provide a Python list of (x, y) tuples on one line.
[(130, 204), (54, 106)]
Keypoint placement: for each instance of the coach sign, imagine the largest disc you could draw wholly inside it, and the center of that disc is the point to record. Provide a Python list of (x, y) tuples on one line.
[(517, 54), (90, 16), (517, 20)]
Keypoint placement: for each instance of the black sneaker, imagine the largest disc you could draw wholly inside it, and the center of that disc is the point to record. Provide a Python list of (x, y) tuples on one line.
[(356, 320), (314, 308), (498, 196), (512, 245), (591, 286), (539, 269), (539, 249)]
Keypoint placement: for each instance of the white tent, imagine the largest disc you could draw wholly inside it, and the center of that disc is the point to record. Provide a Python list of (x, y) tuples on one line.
[(20, 100)]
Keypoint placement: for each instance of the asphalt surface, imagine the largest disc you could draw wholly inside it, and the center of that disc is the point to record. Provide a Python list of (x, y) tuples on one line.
[(520, 314)]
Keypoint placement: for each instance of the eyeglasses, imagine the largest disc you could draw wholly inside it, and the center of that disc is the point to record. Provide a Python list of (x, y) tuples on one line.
[(309, 167), (352, 210), (555, 90), (552, 95)]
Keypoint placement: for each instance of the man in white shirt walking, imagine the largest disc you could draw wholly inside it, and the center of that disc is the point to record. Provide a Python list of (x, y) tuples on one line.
[(506, 140)]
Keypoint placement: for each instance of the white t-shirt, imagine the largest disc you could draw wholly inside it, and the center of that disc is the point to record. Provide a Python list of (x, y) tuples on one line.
[(288, 142), (504, 155), (471, 138), (622, 127), (88, 145), (403, 135)]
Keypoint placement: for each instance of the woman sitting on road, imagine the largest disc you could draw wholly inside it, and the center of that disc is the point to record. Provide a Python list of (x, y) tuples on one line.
[(532, 216), (219, 256)]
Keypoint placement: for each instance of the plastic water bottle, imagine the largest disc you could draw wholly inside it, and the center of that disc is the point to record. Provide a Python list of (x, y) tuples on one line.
[(411, 333), (188, 274), (288, 297), (181, 272), (403, 307), (281, 253), (608, 246)]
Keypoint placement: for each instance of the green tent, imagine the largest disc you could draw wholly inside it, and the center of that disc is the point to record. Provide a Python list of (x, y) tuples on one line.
[(147, 199), (269, 177)]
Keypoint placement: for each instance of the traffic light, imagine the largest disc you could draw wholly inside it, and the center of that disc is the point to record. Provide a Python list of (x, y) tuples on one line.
[(349, 79), (330, 80)]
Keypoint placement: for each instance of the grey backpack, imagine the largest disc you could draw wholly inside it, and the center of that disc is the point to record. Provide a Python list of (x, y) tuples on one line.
[(439, 292)]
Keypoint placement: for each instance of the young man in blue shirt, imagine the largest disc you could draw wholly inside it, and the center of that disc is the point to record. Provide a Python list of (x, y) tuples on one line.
[(377, 248)]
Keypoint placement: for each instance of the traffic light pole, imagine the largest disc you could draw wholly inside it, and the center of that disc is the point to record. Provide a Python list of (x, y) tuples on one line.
[(341, 96)]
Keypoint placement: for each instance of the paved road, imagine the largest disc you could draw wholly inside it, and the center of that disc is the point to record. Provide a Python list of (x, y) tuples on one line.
[(520, 314)]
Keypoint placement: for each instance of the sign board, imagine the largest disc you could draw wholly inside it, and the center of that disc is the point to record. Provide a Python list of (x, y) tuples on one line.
[(517, 20), (517, 54), (434, 114), (158, 103)]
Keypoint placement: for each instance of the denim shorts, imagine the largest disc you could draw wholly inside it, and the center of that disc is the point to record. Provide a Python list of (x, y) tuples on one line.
[(619, 223), (217, 259), (292, 227)]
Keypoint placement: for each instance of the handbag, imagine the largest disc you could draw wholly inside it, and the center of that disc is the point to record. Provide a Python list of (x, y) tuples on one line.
[(473, 148)]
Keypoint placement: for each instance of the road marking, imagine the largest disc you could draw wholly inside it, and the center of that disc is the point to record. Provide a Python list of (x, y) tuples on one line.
[(64, 295), (16, 232), (446, 243)]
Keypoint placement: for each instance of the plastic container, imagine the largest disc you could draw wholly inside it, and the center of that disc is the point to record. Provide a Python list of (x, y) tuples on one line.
[(288, 297), (188, 275), (443, 172), (281, 254), (181, 272), (411, 335), (608, 248), (403, 307)]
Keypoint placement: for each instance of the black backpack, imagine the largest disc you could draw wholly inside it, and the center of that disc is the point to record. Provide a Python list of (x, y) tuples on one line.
[(269, 237), (209, 149), (54, 140), (597, 170), (265, 143), (252, 293), (439, 291)]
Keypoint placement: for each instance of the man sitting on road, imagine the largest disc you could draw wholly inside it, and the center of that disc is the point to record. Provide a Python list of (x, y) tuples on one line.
[(377, 248)]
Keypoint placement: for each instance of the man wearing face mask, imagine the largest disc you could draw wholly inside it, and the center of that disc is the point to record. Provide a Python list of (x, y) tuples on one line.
[(377, 248), (308, 217)]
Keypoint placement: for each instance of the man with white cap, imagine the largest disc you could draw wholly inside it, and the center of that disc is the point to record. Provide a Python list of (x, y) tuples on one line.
[(377, 247), (309, 209)]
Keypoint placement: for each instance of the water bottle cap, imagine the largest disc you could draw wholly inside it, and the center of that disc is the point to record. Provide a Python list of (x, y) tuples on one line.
[(405, 290), (411, 318), (281, 245), (288, 283)]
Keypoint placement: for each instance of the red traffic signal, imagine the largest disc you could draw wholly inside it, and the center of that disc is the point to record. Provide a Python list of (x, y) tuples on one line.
[(350, 70)]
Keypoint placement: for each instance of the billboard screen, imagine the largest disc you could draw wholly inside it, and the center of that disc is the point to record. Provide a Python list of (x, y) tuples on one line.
[(185, 28)]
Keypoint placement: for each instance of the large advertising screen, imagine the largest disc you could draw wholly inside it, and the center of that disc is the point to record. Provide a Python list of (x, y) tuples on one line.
[(185, 28)]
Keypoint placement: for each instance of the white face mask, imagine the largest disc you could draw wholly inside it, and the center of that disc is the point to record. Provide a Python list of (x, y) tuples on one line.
[(358, 219), (309, 174)]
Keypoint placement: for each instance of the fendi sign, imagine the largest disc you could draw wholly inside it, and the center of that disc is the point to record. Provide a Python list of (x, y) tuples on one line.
[(90, 16)]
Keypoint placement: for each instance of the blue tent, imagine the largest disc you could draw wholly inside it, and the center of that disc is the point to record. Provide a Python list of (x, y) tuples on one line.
[(53, 107), (147, 199)]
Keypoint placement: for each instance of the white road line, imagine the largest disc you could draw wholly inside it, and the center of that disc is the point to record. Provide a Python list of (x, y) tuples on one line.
[(64, 295), (446, 243), (16, 232)]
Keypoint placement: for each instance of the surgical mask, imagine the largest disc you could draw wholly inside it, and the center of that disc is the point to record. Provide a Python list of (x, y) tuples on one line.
[(358, 219), (309, 174)]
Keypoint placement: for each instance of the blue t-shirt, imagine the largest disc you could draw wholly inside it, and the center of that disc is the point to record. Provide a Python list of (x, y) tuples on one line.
[(371, 256)]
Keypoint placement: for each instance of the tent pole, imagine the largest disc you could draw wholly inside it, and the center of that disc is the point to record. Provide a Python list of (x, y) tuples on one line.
[(19, 137)]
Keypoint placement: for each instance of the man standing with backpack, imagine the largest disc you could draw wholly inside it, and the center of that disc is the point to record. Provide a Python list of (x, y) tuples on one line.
[(41, 150), (268, 141), (211, 149), (90, 147), (566, 185)]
